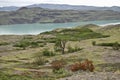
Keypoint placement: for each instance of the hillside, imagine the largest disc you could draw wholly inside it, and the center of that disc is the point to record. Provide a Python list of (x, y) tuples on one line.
[(34, 57), (40, 15)]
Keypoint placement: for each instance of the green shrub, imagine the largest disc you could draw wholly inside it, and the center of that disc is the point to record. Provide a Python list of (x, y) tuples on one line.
[(93, 43), (115, 45), (3, 43), (22, 44), (46, 52), (61, 73), (105, 44), (25, 43), (37, 44), (34, 44), (57, 49), (41, 45), (71, 49), (77, 49)]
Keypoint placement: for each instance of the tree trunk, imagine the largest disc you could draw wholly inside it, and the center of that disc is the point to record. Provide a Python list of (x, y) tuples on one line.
[(63, 51)]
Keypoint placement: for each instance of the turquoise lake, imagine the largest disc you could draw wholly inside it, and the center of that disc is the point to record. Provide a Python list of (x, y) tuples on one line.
[(33, 29)]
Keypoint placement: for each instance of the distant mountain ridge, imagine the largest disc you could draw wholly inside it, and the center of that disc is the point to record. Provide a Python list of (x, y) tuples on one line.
[(40, 15), (63, 7), (9, 8), (74, 7)]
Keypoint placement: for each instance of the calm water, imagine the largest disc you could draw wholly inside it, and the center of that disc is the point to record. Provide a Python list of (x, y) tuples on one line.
[(20, 29)]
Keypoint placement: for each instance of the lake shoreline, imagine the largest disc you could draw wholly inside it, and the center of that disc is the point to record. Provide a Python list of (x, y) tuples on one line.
[(35, 29), (110, 24)]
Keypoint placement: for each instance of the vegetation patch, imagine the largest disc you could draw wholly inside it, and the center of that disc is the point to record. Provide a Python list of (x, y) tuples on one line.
[(22, 44), (115, 45), (48, 53), (39, 60), (71, 49), (4, 76), (74, 34), (25, 43), (3, 43)]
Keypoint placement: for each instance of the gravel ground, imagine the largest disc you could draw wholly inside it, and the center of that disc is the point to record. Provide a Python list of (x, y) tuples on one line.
[(94, 76), (112, 56)]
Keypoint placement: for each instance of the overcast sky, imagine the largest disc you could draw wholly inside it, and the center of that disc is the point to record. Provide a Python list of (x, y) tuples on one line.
[(73, 2)]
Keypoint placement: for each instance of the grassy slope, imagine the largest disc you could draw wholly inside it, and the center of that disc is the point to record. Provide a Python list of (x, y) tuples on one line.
[(104, 58)]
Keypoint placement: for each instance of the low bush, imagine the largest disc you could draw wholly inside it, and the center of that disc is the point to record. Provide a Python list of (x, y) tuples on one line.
[(105, 44), (46, 52), (34, 44), (3, 43), (25, 43), (41, 45), (57, 64), (75, 67), (61, 73), (22, 44), (57, 49), (85, 65), (39, 60), (115, 45), (71, 49), (93, 43)]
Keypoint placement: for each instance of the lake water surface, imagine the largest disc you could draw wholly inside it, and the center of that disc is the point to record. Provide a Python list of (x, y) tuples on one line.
[(23, 29)]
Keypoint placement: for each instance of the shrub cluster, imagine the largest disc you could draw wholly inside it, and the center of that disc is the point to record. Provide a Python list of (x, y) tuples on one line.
[(85, 65)]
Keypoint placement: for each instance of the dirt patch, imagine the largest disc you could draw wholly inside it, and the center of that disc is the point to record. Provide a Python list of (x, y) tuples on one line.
[(94, 76), (112, 56)]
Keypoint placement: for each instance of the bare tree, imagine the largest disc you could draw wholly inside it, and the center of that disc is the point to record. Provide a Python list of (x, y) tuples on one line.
[(61, 44)]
